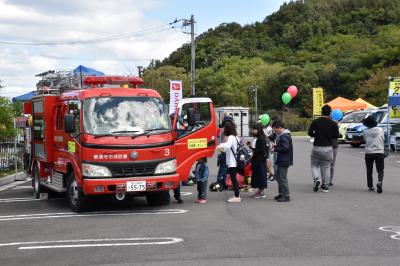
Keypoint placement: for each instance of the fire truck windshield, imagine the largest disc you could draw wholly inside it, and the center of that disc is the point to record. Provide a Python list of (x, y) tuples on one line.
[(125, 115)]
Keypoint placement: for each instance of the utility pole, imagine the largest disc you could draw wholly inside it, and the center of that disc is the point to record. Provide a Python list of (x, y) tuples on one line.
[(193, 56), (191, 22), (253, 89)]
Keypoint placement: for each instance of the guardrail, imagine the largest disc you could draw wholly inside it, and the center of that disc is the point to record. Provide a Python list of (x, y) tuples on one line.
[(11, 154)]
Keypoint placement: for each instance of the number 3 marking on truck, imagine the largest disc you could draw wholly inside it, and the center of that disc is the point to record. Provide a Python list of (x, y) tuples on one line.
[(166, 152)]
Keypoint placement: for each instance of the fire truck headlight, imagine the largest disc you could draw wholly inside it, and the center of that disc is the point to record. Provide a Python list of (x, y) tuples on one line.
[(166, 167), (91, 170)]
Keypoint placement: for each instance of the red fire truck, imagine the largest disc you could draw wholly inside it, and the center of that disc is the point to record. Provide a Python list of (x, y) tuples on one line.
[(105, 135)]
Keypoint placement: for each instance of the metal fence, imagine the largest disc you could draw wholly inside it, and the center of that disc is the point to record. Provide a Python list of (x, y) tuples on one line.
[(11, 153)]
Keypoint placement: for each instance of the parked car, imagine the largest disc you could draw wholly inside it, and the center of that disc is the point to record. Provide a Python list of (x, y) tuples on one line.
[(354, 132), (394, 131), (348, 119)]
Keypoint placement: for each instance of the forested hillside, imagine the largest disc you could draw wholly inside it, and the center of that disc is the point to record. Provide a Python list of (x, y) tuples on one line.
[(348, 47)]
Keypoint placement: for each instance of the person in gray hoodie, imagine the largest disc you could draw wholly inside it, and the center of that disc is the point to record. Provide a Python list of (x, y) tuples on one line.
[(374, 152)]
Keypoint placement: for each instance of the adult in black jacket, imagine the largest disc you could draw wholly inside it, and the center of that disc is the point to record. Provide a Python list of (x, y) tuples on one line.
[(259, 161), (324, 131)]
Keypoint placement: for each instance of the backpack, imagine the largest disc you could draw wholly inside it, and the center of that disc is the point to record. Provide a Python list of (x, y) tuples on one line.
[(242, 156)]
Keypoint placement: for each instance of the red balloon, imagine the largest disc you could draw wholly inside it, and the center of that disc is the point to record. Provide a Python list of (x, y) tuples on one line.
[(292, 90)]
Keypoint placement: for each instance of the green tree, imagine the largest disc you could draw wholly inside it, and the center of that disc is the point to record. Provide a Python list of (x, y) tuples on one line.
[(6, 118), (341, 45), (375, 89), (159, 78)]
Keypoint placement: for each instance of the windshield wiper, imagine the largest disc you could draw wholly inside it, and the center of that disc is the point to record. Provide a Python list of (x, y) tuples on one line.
[(148, 131), (112, 133), (142, 133), (125, 131), (157, 129)]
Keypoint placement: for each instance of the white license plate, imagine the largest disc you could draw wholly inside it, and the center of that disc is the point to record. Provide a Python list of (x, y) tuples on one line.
[(350, 136), (135, 186)]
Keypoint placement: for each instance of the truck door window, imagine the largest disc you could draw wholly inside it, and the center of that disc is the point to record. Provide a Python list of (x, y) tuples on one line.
[(74, 107), (60, 117), (192, 117)]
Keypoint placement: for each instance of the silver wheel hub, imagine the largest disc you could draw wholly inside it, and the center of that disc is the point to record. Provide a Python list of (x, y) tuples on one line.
[(73, 192)]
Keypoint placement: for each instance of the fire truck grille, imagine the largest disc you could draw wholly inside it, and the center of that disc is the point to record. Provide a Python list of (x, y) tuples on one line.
[(134, 170), (131, 169)]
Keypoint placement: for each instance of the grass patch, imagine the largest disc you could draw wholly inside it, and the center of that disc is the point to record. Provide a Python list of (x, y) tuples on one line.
[(299, 134), (9, 172)]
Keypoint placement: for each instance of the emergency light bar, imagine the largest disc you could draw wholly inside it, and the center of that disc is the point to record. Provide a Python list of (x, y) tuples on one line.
[(121, 80)]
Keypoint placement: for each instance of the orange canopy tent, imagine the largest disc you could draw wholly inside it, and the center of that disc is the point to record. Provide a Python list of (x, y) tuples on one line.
[(344, 104)]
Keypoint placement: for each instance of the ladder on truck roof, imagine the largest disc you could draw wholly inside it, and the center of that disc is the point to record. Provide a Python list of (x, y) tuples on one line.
[(58, 81)]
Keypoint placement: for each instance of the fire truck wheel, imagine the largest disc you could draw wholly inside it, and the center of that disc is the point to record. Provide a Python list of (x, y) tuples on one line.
[(76, 197), (37, 188), (156, 198), (36, 184)]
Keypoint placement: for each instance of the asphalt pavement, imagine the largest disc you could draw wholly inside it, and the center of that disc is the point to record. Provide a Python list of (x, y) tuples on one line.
[(347, 226)]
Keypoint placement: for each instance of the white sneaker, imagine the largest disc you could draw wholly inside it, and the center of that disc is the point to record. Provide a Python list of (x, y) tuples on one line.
[(235, 200)]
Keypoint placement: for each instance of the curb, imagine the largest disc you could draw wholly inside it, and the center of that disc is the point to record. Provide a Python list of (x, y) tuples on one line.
[(12, 178)]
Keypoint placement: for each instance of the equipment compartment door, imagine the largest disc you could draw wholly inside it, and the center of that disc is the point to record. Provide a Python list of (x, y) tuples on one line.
[(196, 132)]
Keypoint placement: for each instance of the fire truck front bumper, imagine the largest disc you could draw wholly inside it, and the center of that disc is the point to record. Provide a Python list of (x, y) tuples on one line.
[(135, 185)]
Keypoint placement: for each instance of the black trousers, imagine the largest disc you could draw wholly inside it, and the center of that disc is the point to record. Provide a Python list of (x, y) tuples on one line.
[(232, 171), (379, 160)]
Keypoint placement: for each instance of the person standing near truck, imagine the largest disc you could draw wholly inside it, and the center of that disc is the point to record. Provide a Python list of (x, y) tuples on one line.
[(201, 174), (259, 161), (324, 130), (230, 146)]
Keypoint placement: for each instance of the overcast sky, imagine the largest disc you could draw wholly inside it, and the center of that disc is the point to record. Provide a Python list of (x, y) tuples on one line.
[(145, 22)]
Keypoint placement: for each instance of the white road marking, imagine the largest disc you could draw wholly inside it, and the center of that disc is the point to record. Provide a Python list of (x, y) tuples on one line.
[(7, 200), (14, 184), (34, 216), (186, 193), (393, 229), (22, 187), (105, 242), (11, 200)]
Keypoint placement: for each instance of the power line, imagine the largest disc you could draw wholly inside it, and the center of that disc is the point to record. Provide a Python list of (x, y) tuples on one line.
[(94, 58), (95, 40)]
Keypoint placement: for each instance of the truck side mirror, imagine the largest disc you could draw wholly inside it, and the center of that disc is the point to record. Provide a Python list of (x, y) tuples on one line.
[(69, 123)]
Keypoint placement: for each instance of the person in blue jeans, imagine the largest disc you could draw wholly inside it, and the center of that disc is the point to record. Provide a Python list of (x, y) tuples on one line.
[(284, 151), (201, 175), (177, 195), (222, 170)]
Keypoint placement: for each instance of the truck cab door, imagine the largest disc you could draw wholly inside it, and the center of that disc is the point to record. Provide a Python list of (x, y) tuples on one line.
[(196, 131)]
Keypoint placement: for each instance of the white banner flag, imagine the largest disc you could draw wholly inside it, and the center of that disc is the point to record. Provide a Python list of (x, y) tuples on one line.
[(175, 94)]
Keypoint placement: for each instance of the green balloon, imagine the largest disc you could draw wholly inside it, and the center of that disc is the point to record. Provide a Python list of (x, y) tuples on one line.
[(265, 119), (286, 98)]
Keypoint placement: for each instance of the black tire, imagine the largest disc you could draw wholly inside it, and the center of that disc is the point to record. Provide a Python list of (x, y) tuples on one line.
[(156, 198), (37, 188), (355, 145), (77, 200)]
